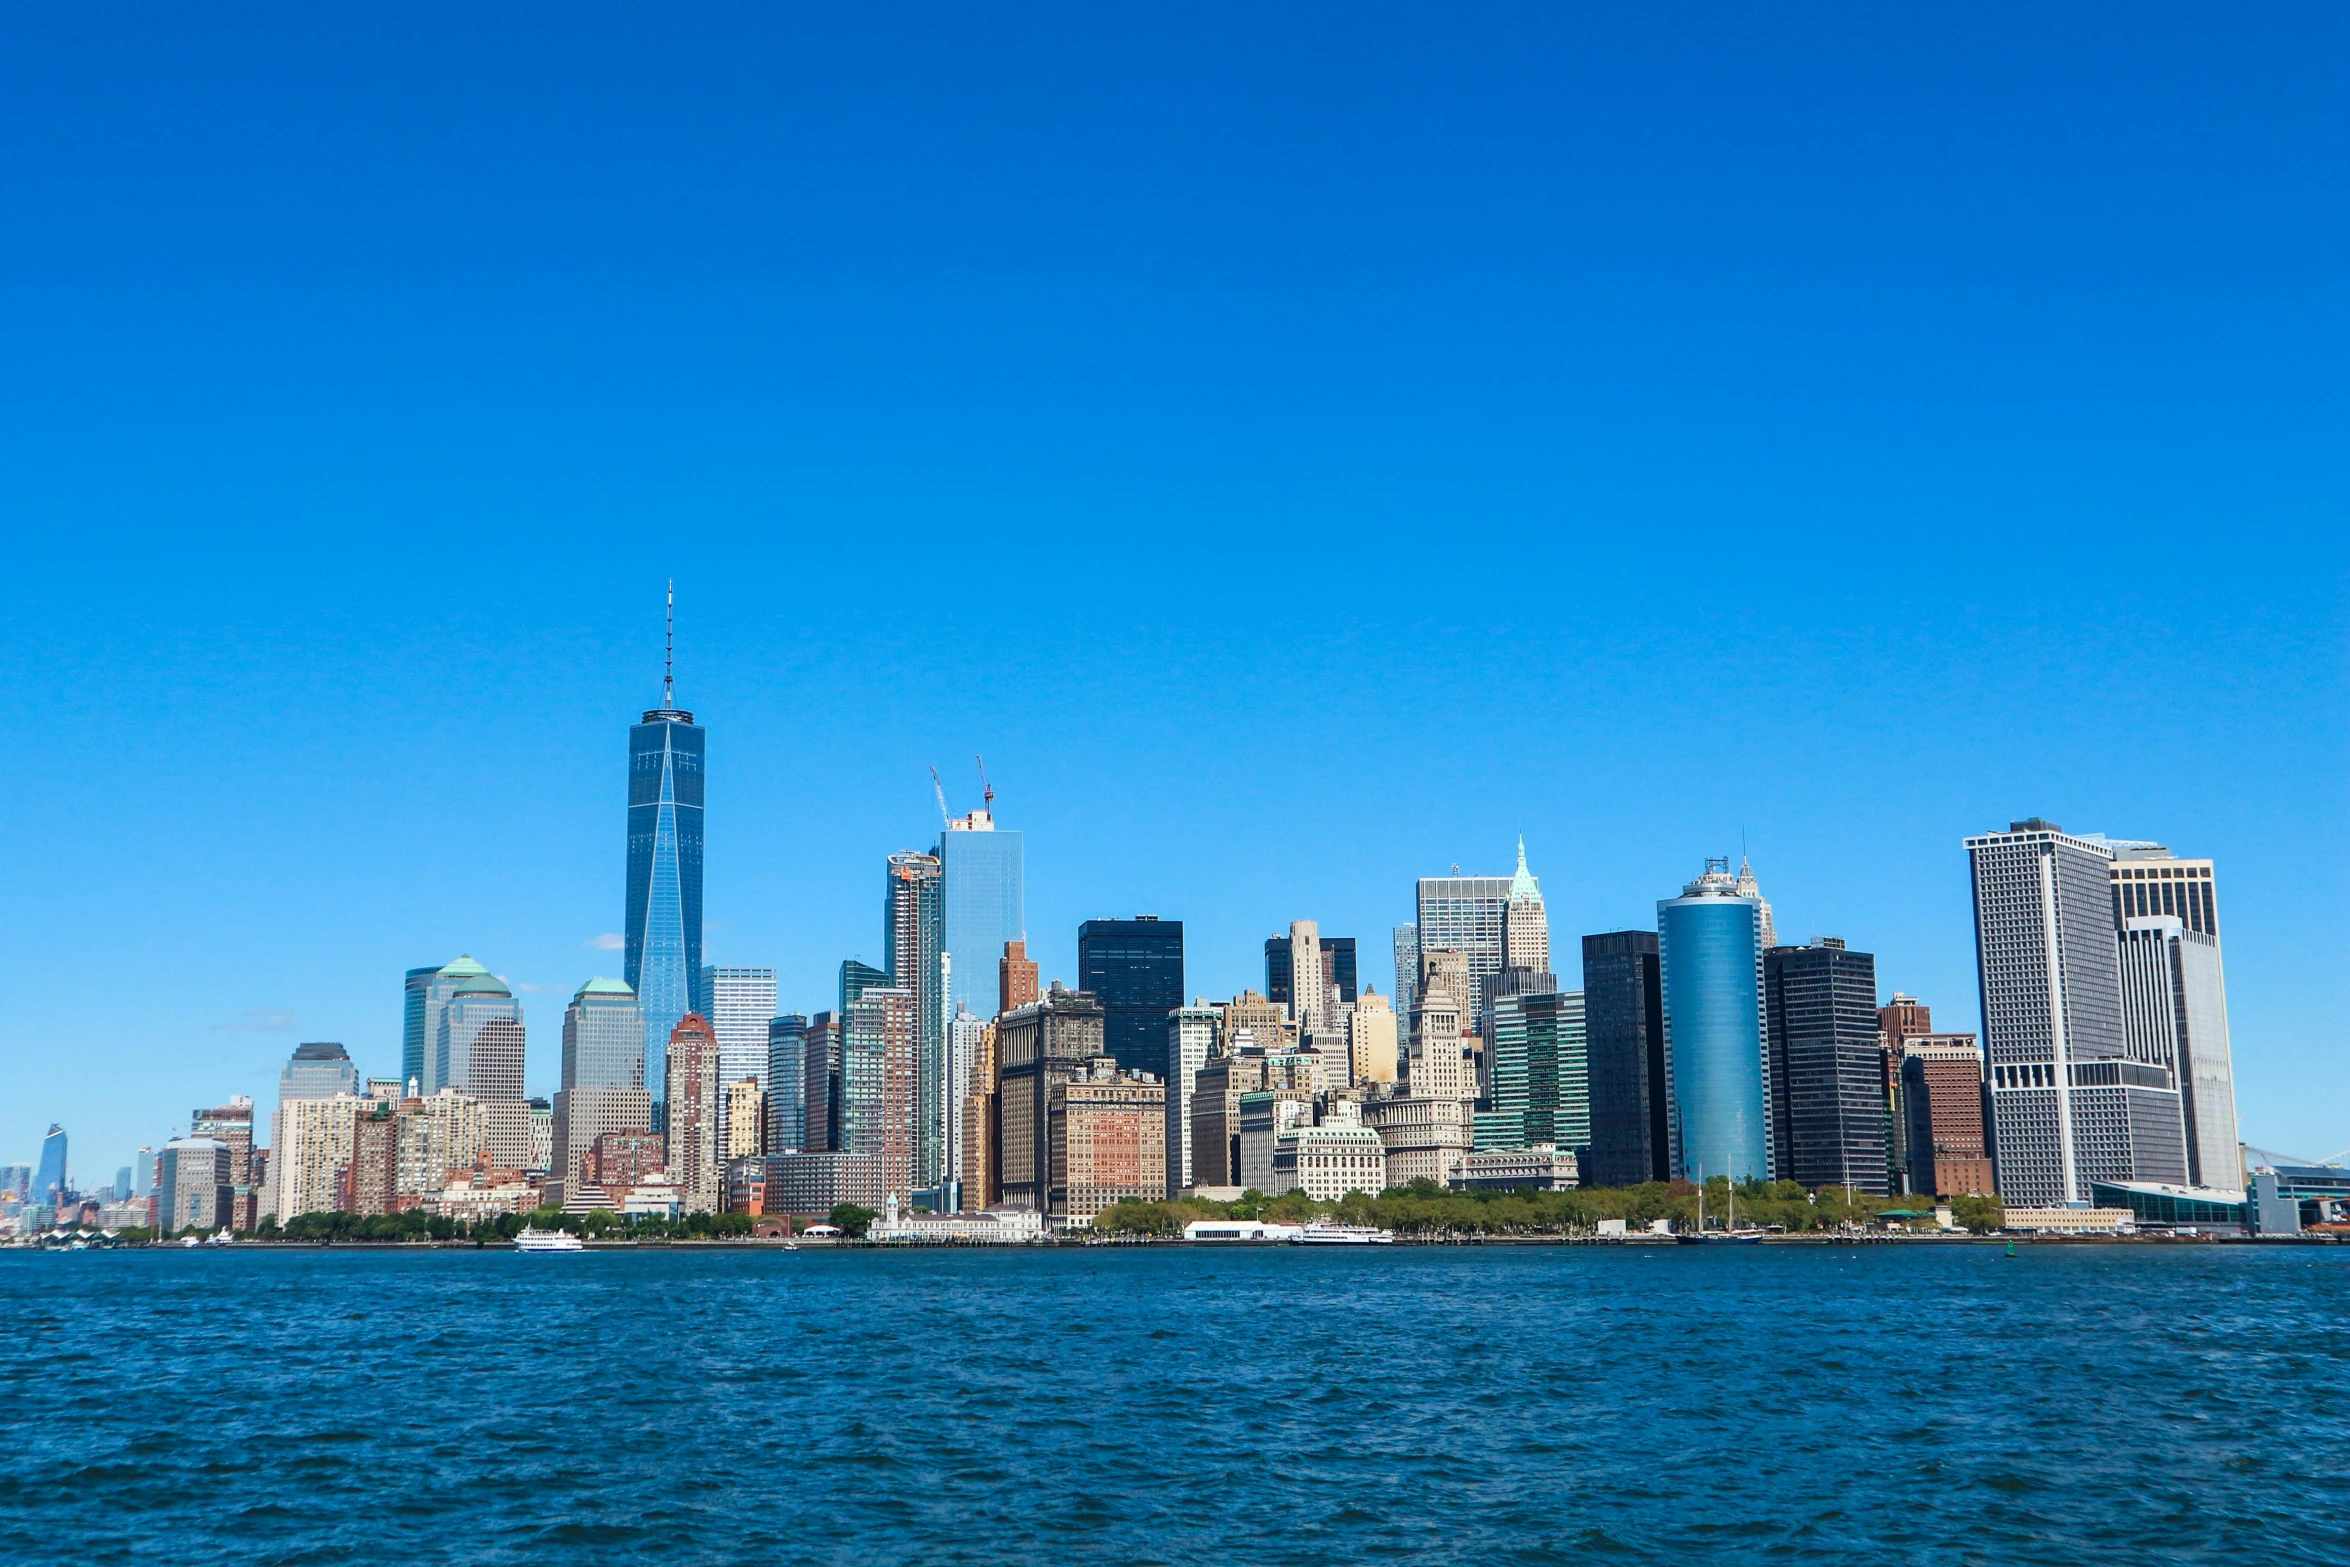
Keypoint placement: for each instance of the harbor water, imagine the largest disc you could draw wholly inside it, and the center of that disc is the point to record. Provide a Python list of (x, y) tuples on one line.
[(1956, 1404)]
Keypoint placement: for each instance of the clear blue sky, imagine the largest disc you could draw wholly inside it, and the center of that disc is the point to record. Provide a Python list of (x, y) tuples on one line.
[(1301, 447)]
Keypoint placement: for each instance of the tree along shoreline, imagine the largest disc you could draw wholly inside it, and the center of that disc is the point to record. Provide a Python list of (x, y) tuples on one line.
[(1426, 1209)]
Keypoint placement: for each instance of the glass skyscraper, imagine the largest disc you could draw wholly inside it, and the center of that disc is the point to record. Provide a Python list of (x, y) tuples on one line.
[(738, 1004), (1711, 945), (428, 991), (50, 1180), (913, 927), (603, 1077), (665, 770), (982, 896), (1134, 968)]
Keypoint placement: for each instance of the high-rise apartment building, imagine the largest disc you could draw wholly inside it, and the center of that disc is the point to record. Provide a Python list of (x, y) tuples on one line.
[(603, 1083), (1826, 1071), (1942, 1100), (1709, 959), (1191, 1038), (231, 1126), (691, 1053), (1015, 978), (2152, 884), (787, 1037), (1624, 1043), (1134, 970), (1525, 926), (310, 1155), (1541, 1092), (738, 1004), (2068, 1105), (984, 904), (979, 1170), (440, 1137), (823, 1074), (879, 1042), (666, 754), (913, 942), (1039, 1048), (1468, 915), (318, 1069)]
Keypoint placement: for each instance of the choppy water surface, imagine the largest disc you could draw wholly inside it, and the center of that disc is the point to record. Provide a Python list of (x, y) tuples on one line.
[(1521, 1405)]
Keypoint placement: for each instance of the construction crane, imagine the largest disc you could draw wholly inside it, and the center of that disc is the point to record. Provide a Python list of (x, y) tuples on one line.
[(944, 819), (986, 789)]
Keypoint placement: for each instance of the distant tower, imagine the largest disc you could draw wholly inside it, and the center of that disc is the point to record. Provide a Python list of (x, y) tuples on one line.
[(913, 950), (1748, 887), (1525, 926), (50, 1182), (665, 771)]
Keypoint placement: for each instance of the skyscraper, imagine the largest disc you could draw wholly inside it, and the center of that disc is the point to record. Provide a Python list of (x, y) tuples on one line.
[(1624, 1042), (49, 1181), (2068, 1107), (1309, 986), (427, 992), (603, 1084), (1709, 948), (1541, 1075), (1748, 887), (1371, 1041), (2150, 885), (666, 752), (192, 1185), (318, 1069), (913, 934), (1134, 970), (823, 1074), (877, 1083), (1015, 978), (1040, 1047), (983, 897), (231, 1126), (692, 1100), (1942, 1100), (1469, 915), (855, 979), (479, 1052), (786, 1043), (1407, 968), (1525, 927), (738, 1002), (1191, 1034), (1827, 1074)]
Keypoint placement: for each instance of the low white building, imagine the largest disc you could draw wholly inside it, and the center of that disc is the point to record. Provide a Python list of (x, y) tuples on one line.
[(1329, 1160), (1240, 1230), (2070, 1221)]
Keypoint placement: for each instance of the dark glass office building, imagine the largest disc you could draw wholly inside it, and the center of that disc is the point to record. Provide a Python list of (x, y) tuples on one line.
[(1624, 1039), (1827, 1076), (1134, 969), (665, 755), (1278, 969)]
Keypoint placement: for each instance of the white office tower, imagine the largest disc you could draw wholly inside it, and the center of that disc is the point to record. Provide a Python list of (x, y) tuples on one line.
[(964, 1032), (1443, 1062), (1191, 1035), (740, 1001), (2068, 1105), (2174, 996), (1465, 914), (1309, 990), (1525, 927)]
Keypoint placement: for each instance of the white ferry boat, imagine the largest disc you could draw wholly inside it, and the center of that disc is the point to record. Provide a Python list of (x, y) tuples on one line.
[(1342, 1235), (548, 1240)]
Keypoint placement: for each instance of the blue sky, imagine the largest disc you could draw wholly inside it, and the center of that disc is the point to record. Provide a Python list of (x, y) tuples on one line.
[(1302, 450)]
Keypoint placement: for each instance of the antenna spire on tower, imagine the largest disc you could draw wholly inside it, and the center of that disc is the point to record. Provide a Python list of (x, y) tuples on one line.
[(669, 652)]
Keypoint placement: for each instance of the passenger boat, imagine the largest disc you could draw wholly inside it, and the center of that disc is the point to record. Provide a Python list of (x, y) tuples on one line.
[(534, 1239), (1342, 1235)]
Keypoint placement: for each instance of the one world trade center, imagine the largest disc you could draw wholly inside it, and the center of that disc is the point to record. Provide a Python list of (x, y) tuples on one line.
[(665, 755)]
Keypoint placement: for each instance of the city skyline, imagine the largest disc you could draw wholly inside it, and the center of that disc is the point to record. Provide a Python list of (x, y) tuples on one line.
[(1823, 487)]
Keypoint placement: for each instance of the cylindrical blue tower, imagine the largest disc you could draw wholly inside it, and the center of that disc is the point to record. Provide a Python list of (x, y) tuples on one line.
[(1711, 941)]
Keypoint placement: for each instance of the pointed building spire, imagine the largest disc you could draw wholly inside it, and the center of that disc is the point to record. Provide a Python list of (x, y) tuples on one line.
[(669, 652)]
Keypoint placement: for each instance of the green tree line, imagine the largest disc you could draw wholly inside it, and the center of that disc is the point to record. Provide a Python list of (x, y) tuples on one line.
[(1425, 1209)]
